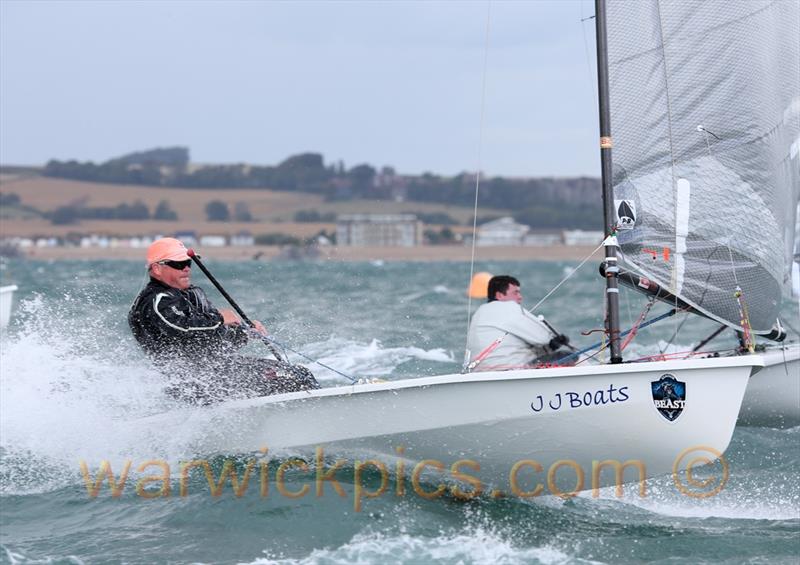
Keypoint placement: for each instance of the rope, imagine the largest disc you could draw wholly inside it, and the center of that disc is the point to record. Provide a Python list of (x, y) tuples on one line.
[(565, 279), (603, 347), (635, 327), (681, 355), (485, 353), (602, 344), (477, 180), (304, 356), (749, 342)]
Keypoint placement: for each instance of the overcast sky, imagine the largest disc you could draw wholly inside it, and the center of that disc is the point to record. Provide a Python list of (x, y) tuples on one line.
[(383, 83)]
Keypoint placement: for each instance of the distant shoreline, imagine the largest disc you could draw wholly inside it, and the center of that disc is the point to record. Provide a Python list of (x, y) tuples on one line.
[(334, 253)]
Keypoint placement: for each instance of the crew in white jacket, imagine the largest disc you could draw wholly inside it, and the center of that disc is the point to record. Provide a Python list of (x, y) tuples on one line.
[(525, 339)]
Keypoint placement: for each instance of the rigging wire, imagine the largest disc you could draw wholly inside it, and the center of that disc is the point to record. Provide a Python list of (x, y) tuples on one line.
[(684, 355), (676, 331), (603, 347), (589, 67), (285, 347), (565, 279), (477, 177)]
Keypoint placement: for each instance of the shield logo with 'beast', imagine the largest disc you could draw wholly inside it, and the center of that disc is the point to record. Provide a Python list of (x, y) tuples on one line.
[(669, 396)]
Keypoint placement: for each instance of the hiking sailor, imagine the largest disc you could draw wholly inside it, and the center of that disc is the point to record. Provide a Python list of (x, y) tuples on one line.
[(194, 344), (525, 339)]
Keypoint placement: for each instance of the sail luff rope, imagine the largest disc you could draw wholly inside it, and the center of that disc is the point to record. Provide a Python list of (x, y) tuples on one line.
[(477, 181), (673, 281)]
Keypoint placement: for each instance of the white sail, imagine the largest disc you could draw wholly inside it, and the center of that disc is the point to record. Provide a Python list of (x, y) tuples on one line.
[(705, 113)]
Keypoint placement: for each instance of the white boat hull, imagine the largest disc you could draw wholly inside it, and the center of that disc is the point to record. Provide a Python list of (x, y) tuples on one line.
[(772, 398), (495, 419), (6, 296)]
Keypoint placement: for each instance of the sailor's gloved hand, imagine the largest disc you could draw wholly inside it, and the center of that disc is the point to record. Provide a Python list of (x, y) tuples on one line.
[(558, 341)]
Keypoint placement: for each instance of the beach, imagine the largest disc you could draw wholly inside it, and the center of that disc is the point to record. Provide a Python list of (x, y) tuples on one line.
[(336, 253)]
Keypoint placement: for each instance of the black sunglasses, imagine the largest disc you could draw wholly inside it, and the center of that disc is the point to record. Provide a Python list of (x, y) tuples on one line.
[(178, 265)]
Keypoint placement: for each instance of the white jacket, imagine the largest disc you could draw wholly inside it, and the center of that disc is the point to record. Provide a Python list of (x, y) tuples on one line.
[(527, 336)]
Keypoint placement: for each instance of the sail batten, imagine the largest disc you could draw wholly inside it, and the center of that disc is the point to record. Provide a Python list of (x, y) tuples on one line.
[(704, 113)]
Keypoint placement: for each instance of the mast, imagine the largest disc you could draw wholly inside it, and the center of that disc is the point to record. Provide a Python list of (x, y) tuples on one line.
[(611, 268)]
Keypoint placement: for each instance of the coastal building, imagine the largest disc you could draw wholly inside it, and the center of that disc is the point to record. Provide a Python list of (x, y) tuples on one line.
[(243, 238), (582, 237), (189, 238), (47, 242), (502, 231), (93, 240), (545, 239), (16, 242), (379, 230), (213, 241), (141, 242)]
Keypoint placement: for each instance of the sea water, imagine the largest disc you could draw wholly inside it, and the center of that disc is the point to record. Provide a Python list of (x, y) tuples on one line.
[(75, 392)]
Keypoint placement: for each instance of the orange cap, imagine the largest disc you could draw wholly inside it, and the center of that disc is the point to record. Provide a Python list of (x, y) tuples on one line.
[(166, 249)]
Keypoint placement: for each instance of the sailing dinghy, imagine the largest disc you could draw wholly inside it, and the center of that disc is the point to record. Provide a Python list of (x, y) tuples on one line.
[(564, 416), (772, 398), (687, 189), (705, 102)]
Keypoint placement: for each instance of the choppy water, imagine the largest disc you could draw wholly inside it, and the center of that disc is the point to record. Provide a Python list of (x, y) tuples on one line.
[(74, 387)]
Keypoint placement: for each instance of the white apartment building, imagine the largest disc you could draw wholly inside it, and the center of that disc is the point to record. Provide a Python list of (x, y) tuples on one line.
[(378, 230)]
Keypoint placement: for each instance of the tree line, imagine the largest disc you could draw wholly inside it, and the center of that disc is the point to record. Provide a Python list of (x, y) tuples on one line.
[(539, 202), (72, 213), (216, 211)]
